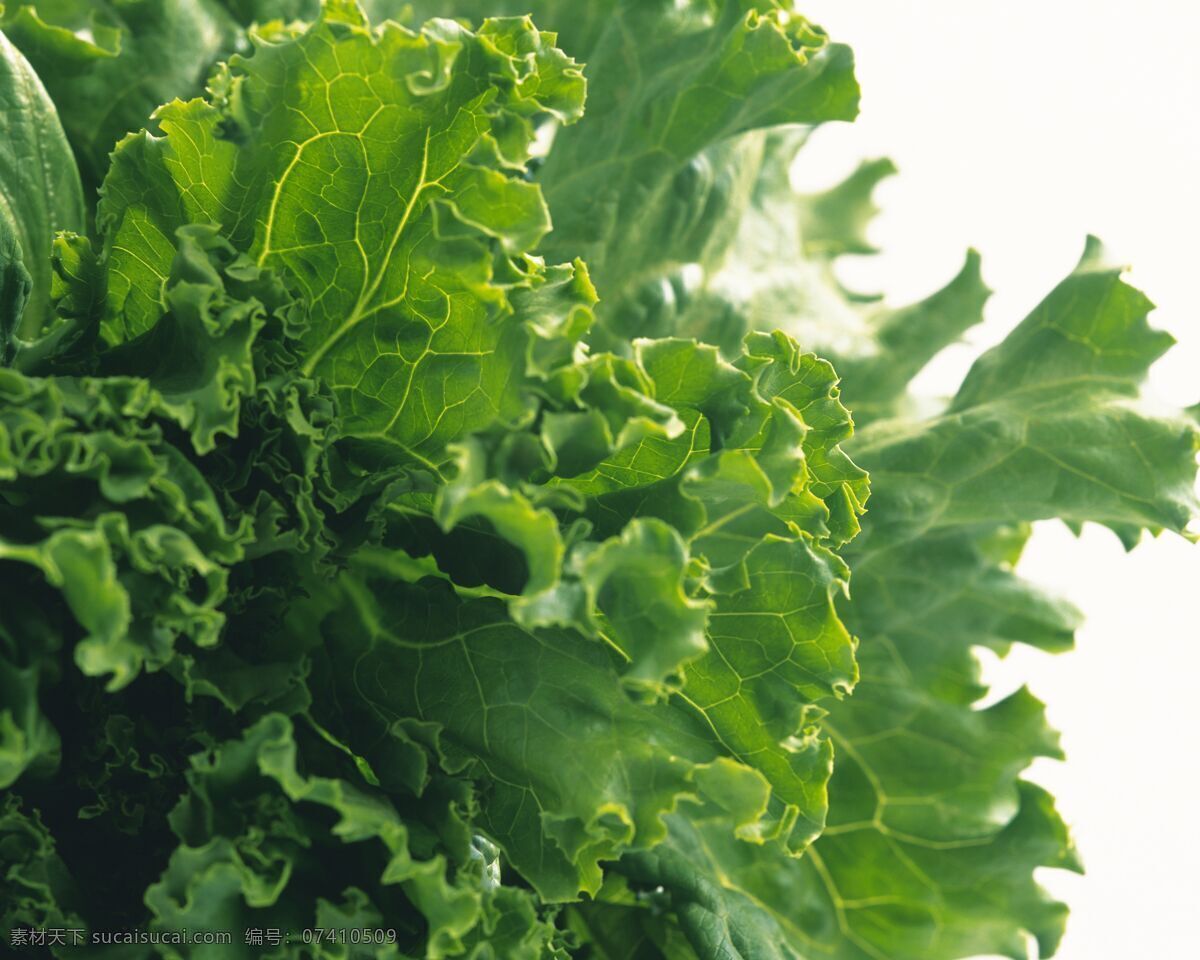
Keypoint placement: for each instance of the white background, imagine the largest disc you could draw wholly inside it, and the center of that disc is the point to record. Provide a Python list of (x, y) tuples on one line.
[(1018, 128)]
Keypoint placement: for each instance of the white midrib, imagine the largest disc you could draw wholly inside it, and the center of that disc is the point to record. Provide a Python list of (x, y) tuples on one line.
[(370, 289)]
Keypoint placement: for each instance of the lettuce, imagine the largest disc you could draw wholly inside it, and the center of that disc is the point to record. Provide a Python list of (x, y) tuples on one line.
[(420, 510)]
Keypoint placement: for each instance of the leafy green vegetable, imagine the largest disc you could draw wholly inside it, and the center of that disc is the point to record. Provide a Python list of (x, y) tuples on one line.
[(932, 837), (420, 511), (108, 65), (39, 194)]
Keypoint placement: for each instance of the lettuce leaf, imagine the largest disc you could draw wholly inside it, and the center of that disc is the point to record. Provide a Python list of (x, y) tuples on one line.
[(108, 65), (933, 836), (421, 511), (40, 194)]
